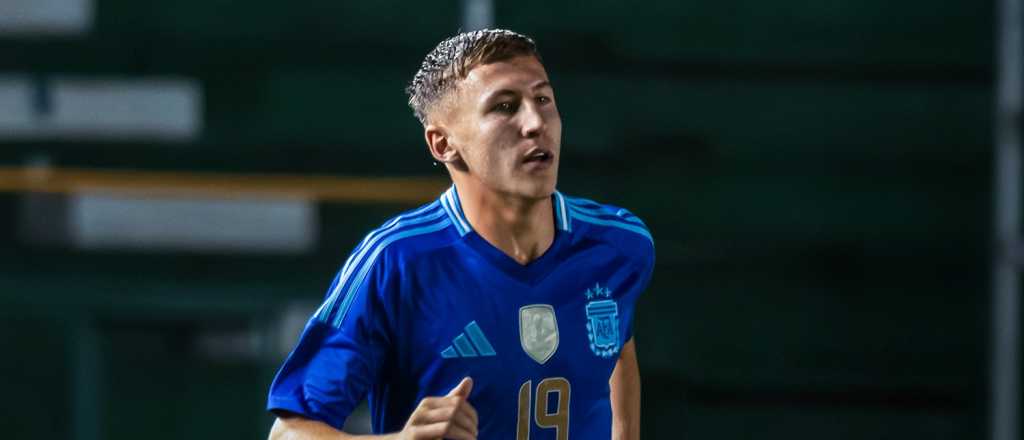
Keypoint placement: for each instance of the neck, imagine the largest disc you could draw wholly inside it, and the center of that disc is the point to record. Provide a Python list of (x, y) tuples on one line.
[(521, 228)]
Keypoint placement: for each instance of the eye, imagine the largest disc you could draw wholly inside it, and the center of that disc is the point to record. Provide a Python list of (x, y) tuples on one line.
[(543, 100), (505, 107)]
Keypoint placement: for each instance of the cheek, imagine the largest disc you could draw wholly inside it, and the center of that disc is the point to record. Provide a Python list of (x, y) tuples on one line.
[(497, 142), (491, 149), (555, 122), (556, 129)]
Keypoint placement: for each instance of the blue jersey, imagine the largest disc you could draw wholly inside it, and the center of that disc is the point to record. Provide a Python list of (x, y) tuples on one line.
[(424, 301)]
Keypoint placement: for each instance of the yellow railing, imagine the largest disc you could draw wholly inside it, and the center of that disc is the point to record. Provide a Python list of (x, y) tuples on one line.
[(221, 185)]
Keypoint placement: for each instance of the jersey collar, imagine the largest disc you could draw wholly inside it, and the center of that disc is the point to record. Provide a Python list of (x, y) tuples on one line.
[(451, 203)]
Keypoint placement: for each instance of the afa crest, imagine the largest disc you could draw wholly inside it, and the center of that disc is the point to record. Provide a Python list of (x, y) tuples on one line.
[(602, 321)]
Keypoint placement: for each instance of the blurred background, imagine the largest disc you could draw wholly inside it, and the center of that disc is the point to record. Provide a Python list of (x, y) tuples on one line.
[(181, 180)]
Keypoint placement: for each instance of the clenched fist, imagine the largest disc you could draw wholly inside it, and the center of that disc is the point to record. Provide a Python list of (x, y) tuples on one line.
[(448, 417)]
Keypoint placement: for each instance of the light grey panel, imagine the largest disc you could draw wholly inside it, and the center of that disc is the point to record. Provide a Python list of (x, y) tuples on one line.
[(166, 108), (193, 224), (16, 113), (29, 17)]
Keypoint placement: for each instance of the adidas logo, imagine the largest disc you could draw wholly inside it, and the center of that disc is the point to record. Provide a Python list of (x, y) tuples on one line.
[(463, 347)]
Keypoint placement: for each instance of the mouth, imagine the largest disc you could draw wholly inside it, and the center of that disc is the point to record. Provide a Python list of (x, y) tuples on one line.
[(539, 156)]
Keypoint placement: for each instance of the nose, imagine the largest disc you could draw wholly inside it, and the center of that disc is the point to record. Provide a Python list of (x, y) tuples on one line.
[(532, 121)]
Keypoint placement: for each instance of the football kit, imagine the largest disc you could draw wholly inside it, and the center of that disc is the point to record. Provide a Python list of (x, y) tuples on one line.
[(424, 301)]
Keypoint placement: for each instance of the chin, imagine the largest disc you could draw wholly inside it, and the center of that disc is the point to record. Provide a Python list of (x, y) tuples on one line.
[(530, 187), (537, 189)]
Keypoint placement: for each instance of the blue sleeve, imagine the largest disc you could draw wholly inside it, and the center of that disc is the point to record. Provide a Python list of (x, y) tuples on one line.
[(339, 355), (643, 274)]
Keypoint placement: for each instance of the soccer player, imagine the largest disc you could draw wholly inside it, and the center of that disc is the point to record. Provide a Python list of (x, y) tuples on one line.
[(502, 310)]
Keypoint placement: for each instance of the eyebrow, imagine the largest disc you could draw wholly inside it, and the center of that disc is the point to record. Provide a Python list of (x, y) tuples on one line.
[(498, 94), (507, 92)]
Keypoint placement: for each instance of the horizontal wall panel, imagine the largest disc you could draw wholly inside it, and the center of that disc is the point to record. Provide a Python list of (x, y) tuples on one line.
[(920, 328), (316, 22), (45, 17), (339, 110), (754, 119), (750, 31), (694, 421), (97, 108), (725, 118), (37, 368), (163, 224), (141, 364), (17, 111), (157, 108)]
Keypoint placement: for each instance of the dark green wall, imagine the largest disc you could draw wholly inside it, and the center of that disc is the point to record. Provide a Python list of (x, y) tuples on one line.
[(816, 176)]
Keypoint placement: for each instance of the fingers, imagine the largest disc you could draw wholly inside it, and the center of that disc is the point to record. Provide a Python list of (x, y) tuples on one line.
[(443, 430), (448, 409), (463, 388), (456, 432), (463, 419), (470, 412), (448, 417)]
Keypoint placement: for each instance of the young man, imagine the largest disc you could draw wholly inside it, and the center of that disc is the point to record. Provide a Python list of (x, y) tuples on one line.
[(502, 310)]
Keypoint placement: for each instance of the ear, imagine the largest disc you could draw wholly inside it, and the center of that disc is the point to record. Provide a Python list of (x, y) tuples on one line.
[(438, 142)]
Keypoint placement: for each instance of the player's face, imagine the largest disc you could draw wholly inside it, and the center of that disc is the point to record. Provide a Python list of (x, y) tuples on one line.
[(506, 127)]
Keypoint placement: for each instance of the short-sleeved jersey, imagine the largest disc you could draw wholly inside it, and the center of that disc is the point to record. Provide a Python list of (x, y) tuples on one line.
[(424, 301)]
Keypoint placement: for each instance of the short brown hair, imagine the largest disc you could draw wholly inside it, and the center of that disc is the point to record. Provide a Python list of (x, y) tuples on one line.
[(454, 57)]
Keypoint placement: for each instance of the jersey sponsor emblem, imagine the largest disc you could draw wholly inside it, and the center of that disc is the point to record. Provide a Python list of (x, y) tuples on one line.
[(471, 343), (538, 331), (602, 321)]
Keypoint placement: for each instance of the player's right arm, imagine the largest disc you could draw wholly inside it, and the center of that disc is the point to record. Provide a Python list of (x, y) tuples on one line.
[(448, 417)]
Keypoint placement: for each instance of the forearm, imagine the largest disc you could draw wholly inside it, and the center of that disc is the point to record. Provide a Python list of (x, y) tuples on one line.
[(450, 417), (299, 428), (625, 395)]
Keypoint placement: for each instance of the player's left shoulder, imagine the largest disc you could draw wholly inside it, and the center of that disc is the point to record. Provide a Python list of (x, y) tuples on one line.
[(616, 225)]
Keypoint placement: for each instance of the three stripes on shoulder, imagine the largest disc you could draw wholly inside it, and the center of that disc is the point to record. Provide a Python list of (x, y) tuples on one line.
[(592, 212), (427, 219)]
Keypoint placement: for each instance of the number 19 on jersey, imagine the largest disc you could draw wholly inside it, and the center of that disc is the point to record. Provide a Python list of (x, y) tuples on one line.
[(544, 416)]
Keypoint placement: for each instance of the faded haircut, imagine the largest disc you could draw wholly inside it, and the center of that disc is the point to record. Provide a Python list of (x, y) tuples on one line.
[(454, 57)]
